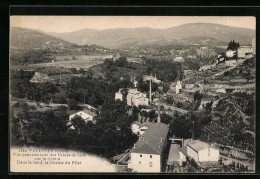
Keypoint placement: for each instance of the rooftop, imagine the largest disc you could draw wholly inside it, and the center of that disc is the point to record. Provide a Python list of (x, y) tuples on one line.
[(173, 154), (152, 140), (198, 145), (85, 111)]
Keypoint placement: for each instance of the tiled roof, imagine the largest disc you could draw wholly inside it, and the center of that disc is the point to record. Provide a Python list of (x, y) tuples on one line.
[(89, 112), (152, 140), (198, 145)]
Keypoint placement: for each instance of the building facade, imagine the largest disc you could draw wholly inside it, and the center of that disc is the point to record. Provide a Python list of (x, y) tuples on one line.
[(136, 98), (202, 152), (147, 154), (243, 51), (119, 95), (86, 115)]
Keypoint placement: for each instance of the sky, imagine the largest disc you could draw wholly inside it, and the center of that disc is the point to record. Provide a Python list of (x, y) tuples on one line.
[(62, 24)]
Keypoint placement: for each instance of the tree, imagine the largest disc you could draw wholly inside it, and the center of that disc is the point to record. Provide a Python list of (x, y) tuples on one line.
[(82, 71), (121, 62), (232, 45), (72, 104), (78, 123), (169, 100)]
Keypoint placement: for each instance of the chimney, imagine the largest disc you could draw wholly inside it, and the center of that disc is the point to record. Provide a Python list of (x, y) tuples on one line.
[(150, 90), (159, 112)]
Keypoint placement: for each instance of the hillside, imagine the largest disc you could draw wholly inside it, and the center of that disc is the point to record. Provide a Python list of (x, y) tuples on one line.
[(114, 38), (23, 40)]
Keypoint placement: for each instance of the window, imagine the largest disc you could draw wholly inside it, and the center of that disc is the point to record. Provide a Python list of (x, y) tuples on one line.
[(140, 162), (150, 164), (151, 156), (140, 155)]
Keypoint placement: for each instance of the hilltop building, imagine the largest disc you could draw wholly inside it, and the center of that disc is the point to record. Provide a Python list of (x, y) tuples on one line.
[(231, 53), (136, 98), (147, 154), (244, 51)]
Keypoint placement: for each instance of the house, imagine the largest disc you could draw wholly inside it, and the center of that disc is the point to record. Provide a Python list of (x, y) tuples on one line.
[(178, 87), (231, 53), (148, 152), (178, 59), (139, 128), (85, 114), (200, 151), (136, 98), (244, 50), (119, 94), (153, 78)]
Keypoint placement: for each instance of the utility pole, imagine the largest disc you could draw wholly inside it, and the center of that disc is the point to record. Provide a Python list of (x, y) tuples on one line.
[(192, 133), (60, 74)]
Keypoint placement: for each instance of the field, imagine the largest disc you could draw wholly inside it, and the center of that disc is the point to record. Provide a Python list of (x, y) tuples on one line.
[(82, 61)]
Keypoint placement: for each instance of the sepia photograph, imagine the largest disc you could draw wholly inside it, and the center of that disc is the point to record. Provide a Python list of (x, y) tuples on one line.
[(132, 94)]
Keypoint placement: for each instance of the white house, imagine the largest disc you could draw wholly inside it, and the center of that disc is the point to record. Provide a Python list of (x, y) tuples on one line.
[(202, 151), (147, 154), (139, 128), (153, 78), (119, 95), (230, 53), (136, 98), (178, 87), (85, 114), (178, 59)]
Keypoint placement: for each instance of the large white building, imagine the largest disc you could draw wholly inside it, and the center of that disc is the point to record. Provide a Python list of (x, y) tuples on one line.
[(85, 114), (147, 154), (200, 152), (136, 98)]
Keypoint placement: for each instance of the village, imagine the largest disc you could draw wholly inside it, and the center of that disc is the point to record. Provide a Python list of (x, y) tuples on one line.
[(125, 109)]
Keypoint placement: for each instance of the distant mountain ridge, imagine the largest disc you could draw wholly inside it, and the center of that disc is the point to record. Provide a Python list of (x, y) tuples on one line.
[(114, 38)]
